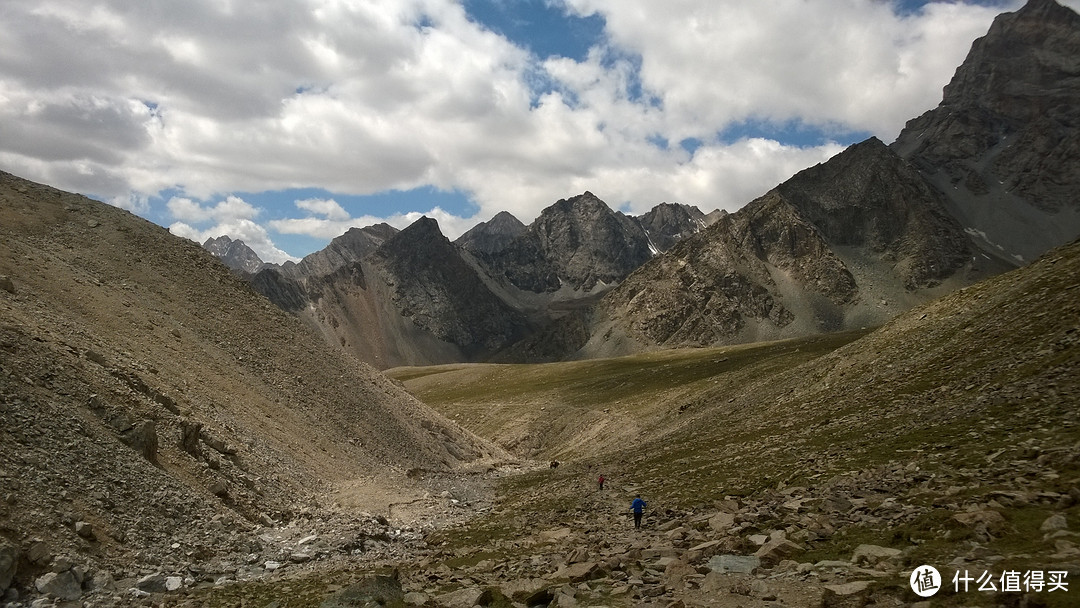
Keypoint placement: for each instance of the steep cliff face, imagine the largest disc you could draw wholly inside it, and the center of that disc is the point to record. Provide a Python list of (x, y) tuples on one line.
[(432, 285), (869, 199), (1004, 144)]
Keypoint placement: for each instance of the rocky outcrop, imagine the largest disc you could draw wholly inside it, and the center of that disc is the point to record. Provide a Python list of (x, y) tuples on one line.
[(1003, 144)]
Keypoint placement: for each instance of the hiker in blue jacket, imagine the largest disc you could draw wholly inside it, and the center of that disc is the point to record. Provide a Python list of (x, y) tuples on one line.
[(638, 507)]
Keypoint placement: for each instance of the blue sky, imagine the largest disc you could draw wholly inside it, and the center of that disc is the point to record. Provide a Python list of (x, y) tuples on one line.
[(284, 124)]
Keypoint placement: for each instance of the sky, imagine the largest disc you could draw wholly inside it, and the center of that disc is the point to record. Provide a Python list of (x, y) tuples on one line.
[(286, 123)]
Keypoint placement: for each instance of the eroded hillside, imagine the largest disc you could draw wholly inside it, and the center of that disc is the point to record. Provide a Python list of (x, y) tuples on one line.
[(157, 412)]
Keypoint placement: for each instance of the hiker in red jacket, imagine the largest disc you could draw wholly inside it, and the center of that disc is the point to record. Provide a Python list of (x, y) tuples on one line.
[(601, 482)]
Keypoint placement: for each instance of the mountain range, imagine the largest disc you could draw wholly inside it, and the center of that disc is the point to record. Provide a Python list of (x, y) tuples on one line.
[(981, 184)]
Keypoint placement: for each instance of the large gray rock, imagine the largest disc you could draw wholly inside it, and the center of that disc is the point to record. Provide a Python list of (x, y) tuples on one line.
[(375, 590), (774, 551), (870, 555), (143, 439), (1054, 523), (577, 573), (722, 522), (152, 583), (742, 564), (9, 562), (63, 585)]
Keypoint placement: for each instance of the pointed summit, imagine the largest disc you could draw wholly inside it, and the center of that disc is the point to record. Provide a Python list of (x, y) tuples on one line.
[(493, 235), (577, 242), (235, 254), (1049, 10), (1002, 146)]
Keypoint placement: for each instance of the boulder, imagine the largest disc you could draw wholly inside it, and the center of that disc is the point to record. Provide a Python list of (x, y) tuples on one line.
[(9, 562), (676, 573), (702, 551), (580, 554), (143, 439), (1054, 523), (522, 589), (743, 564), (39, 552), (577, 573), (871, 555), (722, 522), (772, 552), (462, 598), (189, 436), (985, 521), (85, 530), (371, 590), (152, 583), (63, 585)]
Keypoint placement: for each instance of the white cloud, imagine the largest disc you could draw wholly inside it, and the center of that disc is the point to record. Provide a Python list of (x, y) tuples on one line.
[(851, 62), (126, 100), (232, 208), (328, 208)]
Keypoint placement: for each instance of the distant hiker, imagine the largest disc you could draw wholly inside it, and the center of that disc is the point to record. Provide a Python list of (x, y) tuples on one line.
[(600, 480), (554, 464), (638, 507)]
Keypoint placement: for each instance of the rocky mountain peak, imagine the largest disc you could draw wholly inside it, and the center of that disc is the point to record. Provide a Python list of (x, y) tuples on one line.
[(235, 254), (1002, 145), (669, 223), (493, 235), (580, 242), (1027, 54), (419, 242), (434, 286), (342, 251), (1047, 10)]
